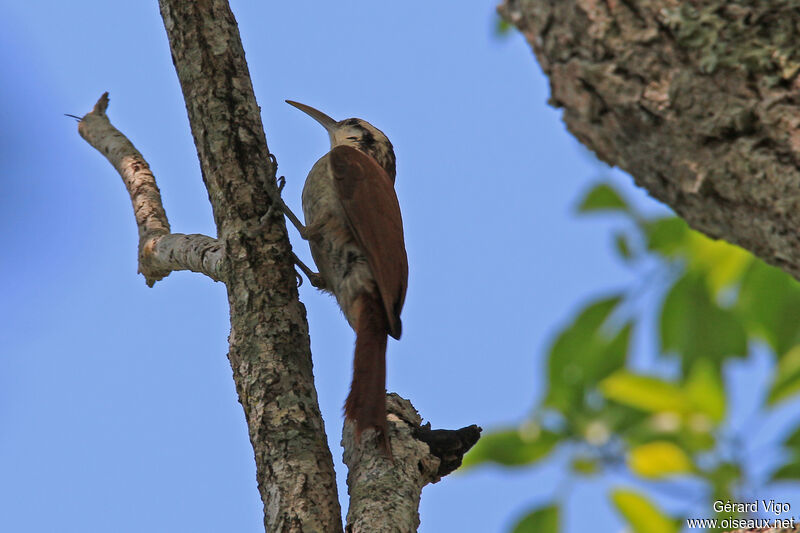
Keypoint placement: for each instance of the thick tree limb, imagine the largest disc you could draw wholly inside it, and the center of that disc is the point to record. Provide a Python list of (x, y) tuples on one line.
[(160, 252), (698, 101), (385, 493), (269, 345)]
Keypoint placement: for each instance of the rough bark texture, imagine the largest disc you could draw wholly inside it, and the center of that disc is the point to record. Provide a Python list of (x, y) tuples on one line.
[(698, 101), (269, 345), (384, 492), (160, 252)]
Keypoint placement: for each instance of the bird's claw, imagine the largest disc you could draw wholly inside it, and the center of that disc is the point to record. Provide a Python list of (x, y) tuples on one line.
[(276, 205), (313, 278)]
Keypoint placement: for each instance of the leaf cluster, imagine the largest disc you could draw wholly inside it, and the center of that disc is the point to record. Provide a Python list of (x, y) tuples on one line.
[(713, 301)]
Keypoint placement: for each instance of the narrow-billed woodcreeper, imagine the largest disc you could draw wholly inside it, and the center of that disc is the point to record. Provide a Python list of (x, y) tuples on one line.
[(355, 232)]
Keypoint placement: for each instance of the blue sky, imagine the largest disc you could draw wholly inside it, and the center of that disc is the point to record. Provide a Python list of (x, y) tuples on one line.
[(117, 407)]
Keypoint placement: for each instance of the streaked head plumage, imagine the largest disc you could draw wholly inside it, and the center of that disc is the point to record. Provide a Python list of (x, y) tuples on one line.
[(357, 133)]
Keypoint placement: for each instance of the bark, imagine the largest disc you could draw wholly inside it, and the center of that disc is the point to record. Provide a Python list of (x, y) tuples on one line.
[(271, 367), (384, 492), (698, 101), (269, 347), (160, 252)]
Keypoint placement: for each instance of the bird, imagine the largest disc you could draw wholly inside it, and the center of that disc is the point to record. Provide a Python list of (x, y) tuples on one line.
[(354, 229)]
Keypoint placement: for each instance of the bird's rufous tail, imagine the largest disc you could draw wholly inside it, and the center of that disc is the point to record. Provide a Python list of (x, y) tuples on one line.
[(366, 403)]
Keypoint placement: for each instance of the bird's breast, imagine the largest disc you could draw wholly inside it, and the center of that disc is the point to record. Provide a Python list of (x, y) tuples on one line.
[(341, 262)]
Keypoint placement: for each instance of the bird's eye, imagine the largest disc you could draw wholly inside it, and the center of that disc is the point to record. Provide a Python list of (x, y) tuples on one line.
[(353, 138)]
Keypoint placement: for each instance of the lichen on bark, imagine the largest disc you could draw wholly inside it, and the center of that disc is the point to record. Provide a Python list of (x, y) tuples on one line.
[(698, 101), (269, 348)]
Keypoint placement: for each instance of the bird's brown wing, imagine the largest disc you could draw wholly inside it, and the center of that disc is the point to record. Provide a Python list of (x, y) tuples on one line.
[(373, 212)]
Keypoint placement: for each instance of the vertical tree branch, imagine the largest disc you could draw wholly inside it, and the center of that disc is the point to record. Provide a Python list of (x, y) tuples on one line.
[(269, 345)]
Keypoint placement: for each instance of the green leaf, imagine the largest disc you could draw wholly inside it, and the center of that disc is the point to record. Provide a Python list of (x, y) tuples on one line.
[(653, 427), (722, 263), (602, 197), (659, 459), (642, 515), (543, 520), (789, 471), (698, 434), (584, 466), (786, 382), (622, 246), (622, 420), (584, 353), (769, 301), (502, 27), (705, 391), (793, 440), (667, 236), (695, 327), (725, 478), (644, 392), (512, 447), (611, 356)]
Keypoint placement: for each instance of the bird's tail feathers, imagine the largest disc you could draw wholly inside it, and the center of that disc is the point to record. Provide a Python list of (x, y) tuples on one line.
[(366, 403)]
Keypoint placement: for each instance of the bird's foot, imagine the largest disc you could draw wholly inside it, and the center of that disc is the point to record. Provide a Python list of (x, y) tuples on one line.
[(275, 206), (317, 281), (279, 206), (313, 277)]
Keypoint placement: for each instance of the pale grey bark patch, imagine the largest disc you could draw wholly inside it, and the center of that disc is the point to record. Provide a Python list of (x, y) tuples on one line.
[(198, 253), (160, 252), (385, 492)]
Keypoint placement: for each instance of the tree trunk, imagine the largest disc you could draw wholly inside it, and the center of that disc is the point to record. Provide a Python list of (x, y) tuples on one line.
[(698, 101), (269, 347)]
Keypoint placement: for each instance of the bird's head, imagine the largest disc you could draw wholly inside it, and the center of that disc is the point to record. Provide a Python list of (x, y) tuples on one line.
[(357, 133)]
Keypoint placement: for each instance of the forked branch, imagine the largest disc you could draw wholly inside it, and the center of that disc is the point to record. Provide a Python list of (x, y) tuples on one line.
[(269, 344), (160, 252)]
